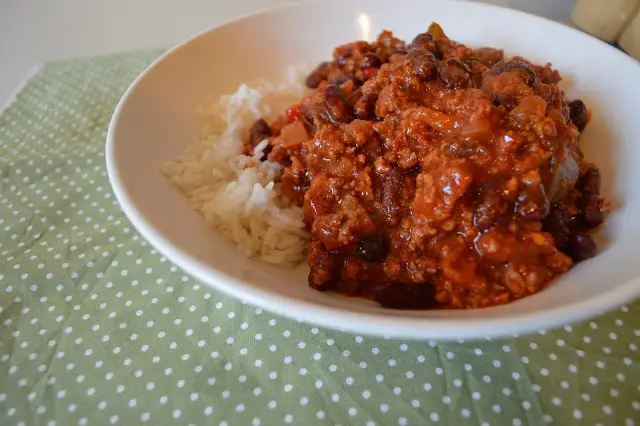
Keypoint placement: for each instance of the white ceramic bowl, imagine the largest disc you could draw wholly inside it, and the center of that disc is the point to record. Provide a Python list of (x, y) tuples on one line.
[(155, 121)]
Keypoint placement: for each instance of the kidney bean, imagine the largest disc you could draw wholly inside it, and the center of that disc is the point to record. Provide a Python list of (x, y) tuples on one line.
[(422, 64), (589, 182), (336, 104), (373, 248), (556, 224), (365, 107), (455, 74), (592, 216), (424, 41), (581, 246), (370, 60), (516, 66), (589, 201), (579, 114), (317, 75), (259, 131)]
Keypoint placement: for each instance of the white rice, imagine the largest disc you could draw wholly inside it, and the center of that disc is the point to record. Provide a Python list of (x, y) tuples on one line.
[(236, 194)]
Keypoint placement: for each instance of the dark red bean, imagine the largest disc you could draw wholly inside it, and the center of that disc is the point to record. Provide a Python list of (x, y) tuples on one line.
[(405, 296), (317, 75), (424, 41), (589, 200), (373, 248), (589, 182), (259, 131), (581, 246), (365, 107), (413, 171), (455, 74), (370, 60), (488, 210), (336, 105), (556, 224), (516, 66), (592, 216), (422, 64), (579, 114)]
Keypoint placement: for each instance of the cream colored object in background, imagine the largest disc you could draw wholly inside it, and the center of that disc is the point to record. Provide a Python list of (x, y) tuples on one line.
[(630, 38), (605, 19)]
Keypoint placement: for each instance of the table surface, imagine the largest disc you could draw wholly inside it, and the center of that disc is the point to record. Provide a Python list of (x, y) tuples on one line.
[(35, 31)]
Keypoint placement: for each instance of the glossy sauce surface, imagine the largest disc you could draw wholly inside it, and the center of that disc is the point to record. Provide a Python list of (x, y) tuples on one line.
[(433, 175)]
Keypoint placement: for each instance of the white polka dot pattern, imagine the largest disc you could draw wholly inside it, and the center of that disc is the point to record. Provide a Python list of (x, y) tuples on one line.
[(98, 328)]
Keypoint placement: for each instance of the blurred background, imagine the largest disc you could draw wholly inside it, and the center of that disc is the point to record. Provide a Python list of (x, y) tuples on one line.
[(35, 31)]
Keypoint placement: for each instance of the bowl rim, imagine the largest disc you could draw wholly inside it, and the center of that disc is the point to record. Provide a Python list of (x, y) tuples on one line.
[(387, 324)]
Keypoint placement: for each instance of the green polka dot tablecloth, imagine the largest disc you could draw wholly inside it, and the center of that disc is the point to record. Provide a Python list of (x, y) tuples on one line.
[(97, 328)]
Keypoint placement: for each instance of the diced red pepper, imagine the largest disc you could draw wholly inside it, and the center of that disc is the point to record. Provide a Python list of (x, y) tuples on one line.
[(293, 113)]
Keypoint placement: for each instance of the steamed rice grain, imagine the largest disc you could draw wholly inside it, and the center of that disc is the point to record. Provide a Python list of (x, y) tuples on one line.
[(239, 195)]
